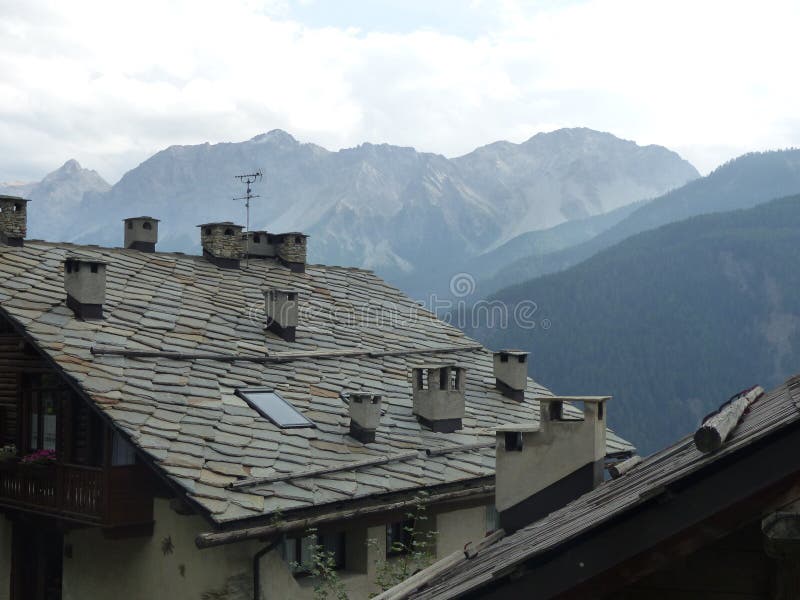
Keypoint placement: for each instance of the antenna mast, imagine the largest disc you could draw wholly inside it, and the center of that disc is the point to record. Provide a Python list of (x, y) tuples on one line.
[(248, 179)]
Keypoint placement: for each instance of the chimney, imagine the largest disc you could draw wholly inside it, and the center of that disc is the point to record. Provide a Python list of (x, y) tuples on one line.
[(438, 392), (280, 307), (141, 233), (540, 469), (222, 243), (365, 415), (511, 373), (259, 244), (85, 284), (291, 250), (13, 220)]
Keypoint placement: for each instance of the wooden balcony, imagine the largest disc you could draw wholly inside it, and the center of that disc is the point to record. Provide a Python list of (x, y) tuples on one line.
[(108, 497)]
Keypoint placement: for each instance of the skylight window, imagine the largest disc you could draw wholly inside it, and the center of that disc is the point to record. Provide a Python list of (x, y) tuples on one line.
[(271, 406)]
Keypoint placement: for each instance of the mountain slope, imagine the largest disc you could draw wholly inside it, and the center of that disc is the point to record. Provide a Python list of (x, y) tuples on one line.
[(396, 210), (57, 198), (672, 321), (740, 183)]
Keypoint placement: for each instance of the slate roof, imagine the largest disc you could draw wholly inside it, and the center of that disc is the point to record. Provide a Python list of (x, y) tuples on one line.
[(774, 411), (183, 412)]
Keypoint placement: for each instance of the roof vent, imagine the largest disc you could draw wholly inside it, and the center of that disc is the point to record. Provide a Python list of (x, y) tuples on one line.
[(141, 233), (365, 415), (291, 250), (222, 243), (281, 309), (85, 284), (438, 392), (259, 244), (13, 220), (511, 373), (566, 455)]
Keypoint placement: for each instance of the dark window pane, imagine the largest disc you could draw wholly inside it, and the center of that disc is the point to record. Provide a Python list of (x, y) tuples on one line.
[(276, 409)]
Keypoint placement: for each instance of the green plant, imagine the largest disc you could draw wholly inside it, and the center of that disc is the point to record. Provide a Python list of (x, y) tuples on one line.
[(413, 553), (322, 566)]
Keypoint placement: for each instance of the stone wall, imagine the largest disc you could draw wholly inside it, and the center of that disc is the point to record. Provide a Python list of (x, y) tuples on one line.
[(292, 248), (220, 244), (13, 217)]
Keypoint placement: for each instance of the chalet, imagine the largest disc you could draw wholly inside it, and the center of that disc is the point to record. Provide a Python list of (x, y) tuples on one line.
[(716, 515), (187, 427)]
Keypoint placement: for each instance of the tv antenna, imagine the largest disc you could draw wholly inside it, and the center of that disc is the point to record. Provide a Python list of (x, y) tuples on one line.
[(248, 179)]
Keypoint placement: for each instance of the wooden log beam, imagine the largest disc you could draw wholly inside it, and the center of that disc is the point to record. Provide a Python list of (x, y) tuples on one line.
[(619, 469), (370, 462), (717, 427), (207, 540)]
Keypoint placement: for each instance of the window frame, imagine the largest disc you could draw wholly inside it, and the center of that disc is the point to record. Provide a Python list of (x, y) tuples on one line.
[(243, 392)]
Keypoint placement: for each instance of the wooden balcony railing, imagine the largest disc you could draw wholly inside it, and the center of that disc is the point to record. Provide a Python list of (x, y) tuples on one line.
[(109, 497)]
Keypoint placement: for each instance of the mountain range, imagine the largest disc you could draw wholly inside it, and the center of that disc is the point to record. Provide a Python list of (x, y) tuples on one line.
[(404, 213), (672, 321)]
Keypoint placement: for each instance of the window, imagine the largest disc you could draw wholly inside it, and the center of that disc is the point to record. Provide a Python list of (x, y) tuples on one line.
[(130, 224), (298, 551), (399, 537), (42, 393), (513, 441), (271, 406), (147, 225), (504, 358), (256, 238), (492, 519)]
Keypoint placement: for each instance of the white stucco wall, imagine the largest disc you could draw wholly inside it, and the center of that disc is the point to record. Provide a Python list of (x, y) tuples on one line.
[(456, 528), (5, 558), (140, 569)]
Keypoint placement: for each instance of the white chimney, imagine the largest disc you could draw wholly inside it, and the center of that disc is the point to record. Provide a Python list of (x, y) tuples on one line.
[(511, 373), (85, 284), (13, 220), (282, 311), (141, 233), (259, 244), (222, 243), (365, 415), (540, 469), (438, 392)]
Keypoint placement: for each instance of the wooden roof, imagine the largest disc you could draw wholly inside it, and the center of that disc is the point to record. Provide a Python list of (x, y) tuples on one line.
[(612, 500)]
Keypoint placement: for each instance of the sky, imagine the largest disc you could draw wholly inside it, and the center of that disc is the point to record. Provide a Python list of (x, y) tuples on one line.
[(111, 83)]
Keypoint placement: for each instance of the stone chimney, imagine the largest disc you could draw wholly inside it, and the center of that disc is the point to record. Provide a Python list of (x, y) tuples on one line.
[(141, 233), (222, 243), (259, 244), (281, 309), (540, 469), (85, 284), (13, 220), (291, 250), (438, 392), (365, 415), (511, 373)]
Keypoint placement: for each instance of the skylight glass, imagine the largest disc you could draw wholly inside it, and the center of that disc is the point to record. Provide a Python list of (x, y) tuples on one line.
[(270, 405)]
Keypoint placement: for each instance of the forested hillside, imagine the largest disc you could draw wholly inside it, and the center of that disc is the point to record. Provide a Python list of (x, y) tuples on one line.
[(672, 321)]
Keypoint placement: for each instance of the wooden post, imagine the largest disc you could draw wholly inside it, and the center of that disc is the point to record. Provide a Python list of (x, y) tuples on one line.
[(716, 428), (619, 469)]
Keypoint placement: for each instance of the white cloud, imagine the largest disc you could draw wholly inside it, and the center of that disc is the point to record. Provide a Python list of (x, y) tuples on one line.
[(111, 83)]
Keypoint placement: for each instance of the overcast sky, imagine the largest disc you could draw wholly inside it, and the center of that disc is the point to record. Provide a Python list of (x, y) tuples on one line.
[(110, 83)]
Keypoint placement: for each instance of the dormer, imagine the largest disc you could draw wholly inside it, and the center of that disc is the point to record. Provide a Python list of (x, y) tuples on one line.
[(222, 243), (541, 468), (438, 393)]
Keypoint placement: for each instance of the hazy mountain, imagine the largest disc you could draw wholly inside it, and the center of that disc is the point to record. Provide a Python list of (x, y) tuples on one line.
[(396, 210), (672, 321), (740, 183), (57, 198)]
